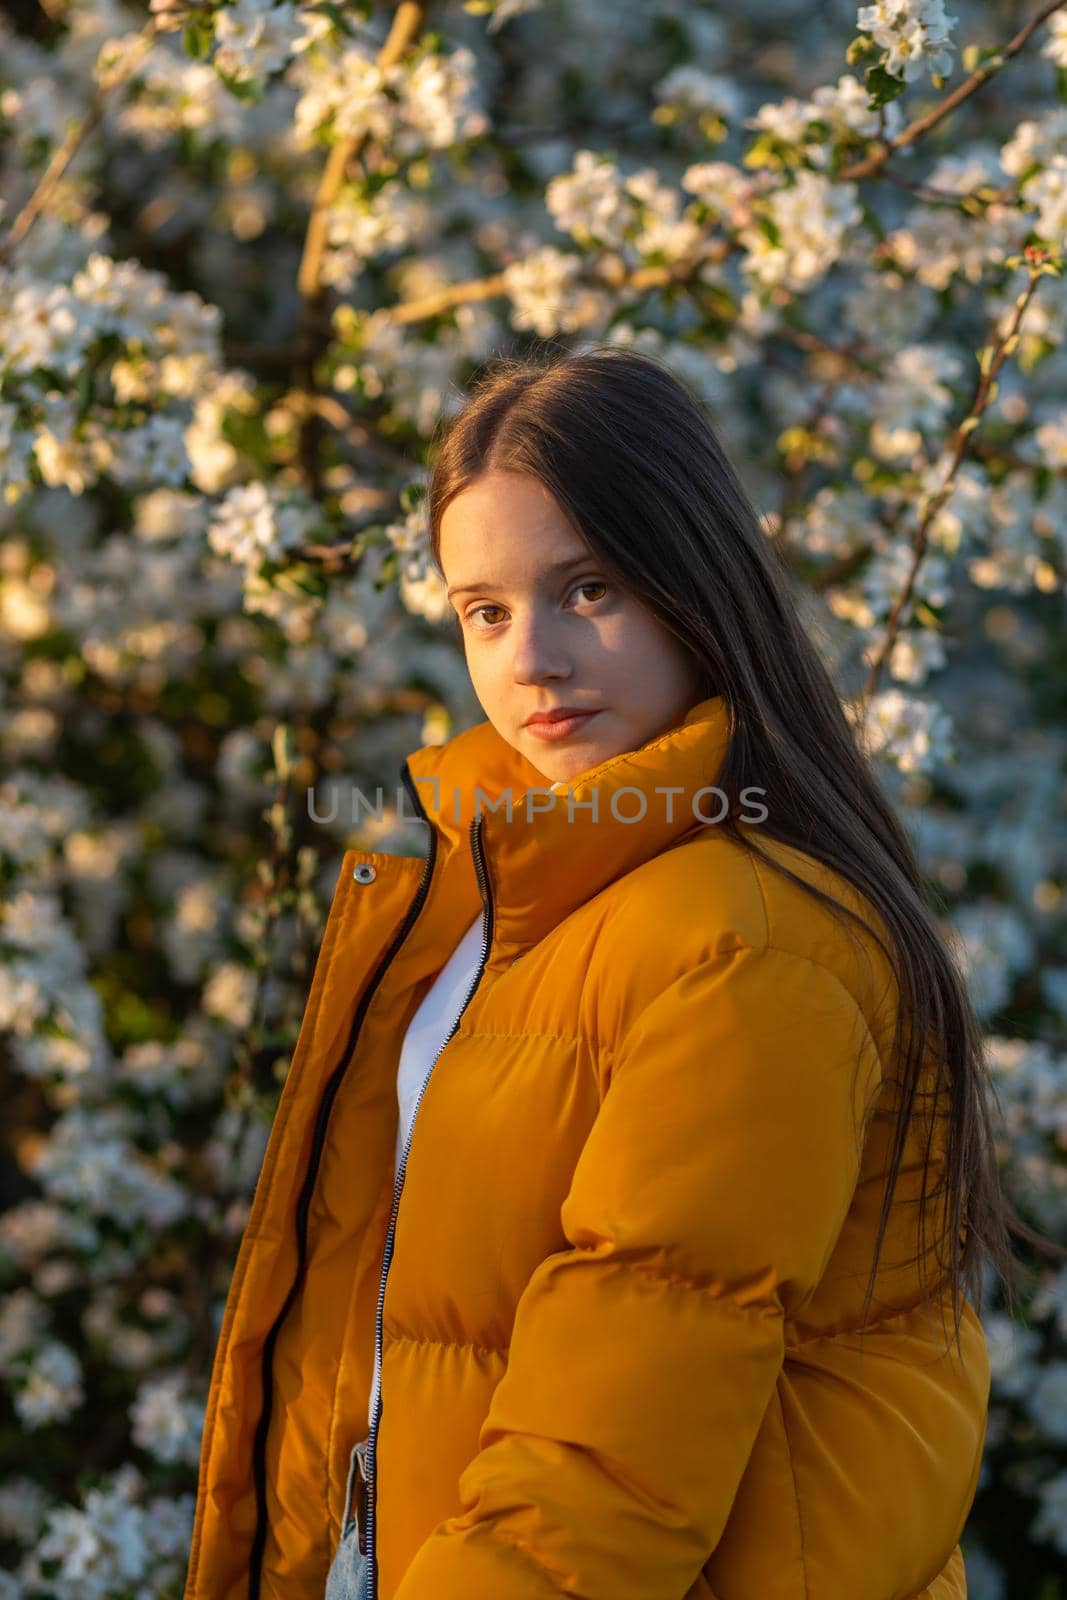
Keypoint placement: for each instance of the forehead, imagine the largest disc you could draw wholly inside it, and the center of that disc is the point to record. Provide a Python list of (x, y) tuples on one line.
[(504, 520)]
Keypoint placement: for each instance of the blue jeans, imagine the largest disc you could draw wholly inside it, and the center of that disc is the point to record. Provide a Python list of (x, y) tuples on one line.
[(349, 1574)]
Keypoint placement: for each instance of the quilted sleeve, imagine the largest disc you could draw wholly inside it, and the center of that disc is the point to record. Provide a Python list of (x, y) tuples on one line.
[(703, 1209)]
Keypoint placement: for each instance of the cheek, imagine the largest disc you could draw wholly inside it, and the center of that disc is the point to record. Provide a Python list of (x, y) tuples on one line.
[(640, 635), (485, 667), (656, 660)]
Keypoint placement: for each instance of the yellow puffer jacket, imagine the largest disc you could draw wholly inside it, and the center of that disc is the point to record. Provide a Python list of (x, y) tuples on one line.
[(625, 1253)]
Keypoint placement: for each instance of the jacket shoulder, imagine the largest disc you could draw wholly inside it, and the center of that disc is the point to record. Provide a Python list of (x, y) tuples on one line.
[(708, 895)]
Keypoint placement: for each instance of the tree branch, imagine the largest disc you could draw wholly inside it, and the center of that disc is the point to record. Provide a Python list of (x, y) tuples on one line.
[(990, 359), (72, 141), (408, 21), (871, 165)]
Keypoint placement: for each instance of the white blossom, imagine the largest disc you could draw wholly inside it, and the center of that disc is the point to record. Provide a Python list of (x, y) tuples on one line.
[(172, 95), (1046, 1401), (34, 1228), (230, 993), (592, 202), (361, 227), (88, 1158), (915, 735), (915, 34), (254, 38), (913, 397), (548, 296), (811, 219), (166, 1422), (915, 654), (50, 1388), (426, 104), (23, 1504), (23, 1320), (115, 1544), (1051, 439), (1047, 192), (938, 242), (1013, 1353), (1051, 1521), (843, 108), (504, 10), (1014, 553), (251, 525), (1029, 1074), (426, 596), (1035, 142), (997, 946), (1055, 46), (694, 92), (836, 522)]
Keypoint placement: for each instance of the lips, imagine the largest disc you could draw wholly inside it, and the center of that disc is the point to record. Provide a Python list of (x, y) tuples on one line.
[(561, 724), (559, 714)]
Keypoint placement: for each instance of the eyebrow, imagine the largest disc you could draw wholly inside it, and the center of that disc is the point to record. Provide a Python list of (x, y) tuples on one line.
[(557, 569)]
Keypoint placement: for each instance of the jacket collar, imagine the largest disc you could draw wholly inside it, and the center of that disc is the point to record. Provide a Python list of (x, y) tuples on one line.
[(555, 851)]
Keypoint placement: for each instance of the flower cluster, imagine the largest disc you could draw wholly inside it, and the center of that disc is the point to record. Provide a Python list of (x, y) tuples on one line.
[(915, 35)]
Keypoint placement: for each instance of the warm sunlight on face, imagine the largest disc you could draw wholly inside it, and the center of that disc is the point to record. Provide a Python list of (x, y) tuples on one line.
[(543, 628)]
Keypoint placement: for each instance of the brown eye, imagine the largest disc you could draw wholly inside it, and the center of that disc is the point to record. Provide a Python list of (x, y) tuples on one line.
[(477, 610)]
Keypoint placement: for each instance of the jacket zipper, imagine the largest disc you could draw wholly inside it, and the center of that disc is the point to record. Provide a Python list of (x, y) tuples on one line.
[(259, 1447), (369, 1455)]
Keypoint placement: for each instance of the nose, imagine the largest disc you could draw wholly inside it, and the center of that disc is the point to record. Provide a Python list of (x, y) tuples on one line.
[(537, 651)]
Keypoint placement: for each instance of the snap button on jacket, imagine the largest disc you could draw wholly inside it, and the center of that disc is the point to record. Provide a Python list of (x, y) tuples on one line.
[(617, 1280)]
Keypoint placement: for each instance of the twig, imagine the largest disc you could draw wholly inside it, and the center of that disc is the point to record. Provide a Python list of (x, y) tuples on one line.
[(956, 198), (873, 164), (991, 359), (65, 152), (408, 20)]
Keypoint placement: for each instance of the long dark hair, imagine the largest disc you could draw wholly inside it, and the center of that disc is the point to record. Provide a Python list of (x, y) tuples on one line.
[(635, 463)]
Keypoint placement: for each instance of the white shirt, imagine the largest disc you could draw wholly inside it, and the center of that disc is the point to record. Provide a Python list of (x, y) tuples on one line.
[(426, 1033)]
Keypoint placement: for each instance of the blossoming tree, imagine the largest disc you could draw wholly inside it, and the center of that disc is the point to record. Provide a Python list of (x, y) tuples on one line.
[(250, 254)]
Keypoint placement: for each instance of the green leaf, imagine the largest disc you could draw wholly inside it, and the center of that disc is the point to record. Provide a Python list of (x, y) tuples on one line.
[(882, 87), (770, 229), (873, 222), (281, 748), (336, 15), (861, 49), (84, 389), (389, 570), (249, 91), (197, 39)]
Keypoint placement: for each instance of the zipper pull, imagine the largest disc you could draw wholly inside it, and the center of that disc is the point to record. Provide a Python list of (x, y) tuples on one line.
[(361, 1496)]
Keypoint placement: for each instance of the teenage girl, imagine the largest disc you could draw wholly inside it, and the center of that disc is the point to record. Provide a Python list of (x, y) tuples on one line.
[(636, 1151)]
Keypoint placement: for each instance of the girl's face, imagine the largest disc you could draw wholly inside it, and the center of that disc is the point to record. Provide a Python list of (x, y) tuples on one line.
[(543, 627)]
